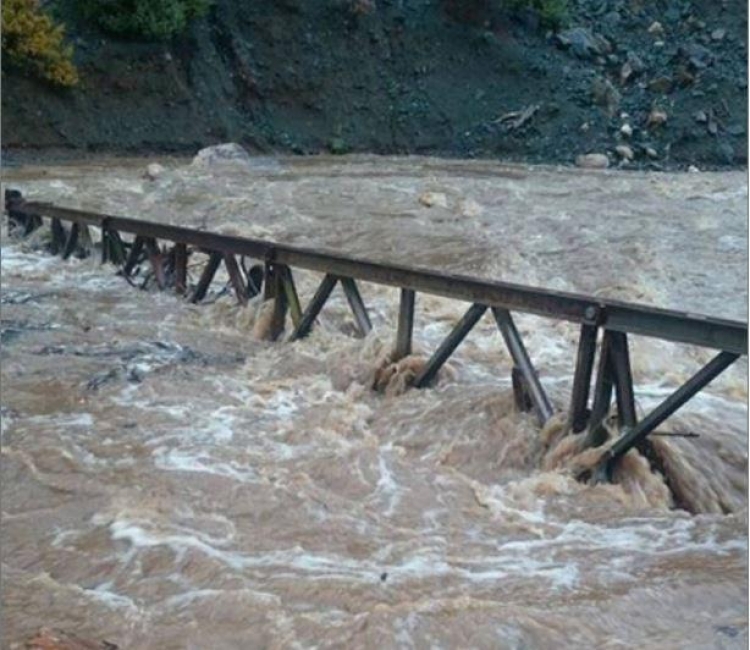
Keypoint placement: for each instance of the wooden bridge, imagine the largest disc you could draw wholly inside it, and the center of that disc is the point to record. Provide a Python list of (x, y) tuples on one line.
[(167, 249)]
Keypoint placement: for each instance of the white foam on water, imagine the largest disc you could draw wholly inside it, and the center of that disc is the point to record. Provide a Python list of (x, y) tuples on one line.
[(185, 461), (387, 488)]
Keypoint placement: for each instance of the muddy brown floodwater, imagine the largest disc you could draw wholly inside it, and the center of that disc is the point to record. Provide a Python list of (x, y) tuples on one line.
[(172, 481)]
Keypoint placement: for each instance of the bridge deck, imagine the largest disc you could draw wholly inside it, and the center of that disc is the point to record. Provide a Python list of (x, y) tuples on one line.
[(615, 320)]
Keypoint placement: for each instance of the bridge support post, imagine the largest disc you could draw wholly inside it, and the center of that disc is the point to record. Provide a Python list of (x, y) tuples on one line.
[(156, 258), (578, 415), (274, 290), (235, 277), (134, 257), (405, 325), (72, 241), (58, 236), (290, 292), (180, 268)]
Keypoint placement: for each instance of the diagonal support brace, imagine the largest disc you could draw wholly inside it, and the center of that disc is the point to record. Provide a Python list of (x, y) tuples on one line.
[(357, 305), (315, 306), (647, 425), (522, 361), (447, 347)]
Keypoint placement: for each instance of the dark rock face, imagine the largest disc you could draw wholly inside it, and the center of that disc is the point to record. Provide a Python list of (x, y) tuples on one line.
[(427, 77)]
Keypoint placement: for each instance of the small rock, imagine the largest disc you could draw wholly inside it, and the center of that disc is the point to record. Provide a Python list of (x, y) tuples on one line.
[(658, 44), (603, 93), (626, 130), (726, 151), (470, 208), (153, 171), (684, 77), (718, 34), (626, 72), (713, 125), (432, 199), (697, 56), (636, 63), (660, 85), (693, 169), (624, 151), (656, 29), (701, 117), (657, 117), (652, 153), (592, 161)]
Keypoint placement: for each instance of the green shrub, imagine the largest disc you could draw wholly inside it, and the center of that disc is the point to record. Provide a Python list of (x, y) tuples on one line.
[(149, 19), (31, 40), (553, 13)]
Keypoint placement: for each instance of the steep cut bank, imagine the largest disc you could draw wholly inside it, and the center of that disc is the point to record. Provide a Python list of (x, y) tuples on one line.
[(651, 84)]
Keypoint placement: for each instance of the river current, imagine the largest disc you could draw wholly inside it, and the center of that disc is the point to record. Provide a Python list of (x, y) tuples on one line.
[(172, 480)]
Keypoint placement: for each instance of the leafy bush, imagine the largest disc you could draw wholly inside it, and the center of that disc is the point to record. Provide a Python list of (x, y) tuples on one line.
[(150, 19), (552, 13), (31, 40)]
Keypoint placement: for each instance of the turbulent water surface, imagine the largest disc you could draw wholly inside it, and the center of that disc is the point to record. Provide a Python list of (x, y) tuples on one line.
[(171, 480)]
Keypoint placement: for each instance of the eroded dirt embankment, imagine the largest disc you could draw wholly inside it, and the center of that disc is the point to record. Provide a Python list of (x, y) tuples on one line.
[(407, 77)]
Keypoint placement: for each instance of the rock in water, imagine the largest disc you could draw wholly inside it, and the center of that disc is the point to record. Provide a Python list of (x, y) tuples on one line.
[(593, 161), (153, 171), (431, 199), (221, 154), (470, 208)]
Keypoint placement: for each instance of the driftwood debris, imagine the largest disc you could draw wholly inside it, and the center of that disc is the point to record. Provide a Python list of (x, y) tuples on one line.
[(516, 119)]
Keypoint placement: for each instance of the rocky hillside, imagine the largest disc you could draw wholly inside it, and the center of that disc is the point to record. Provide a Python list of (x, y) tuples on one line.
[(649, 83)]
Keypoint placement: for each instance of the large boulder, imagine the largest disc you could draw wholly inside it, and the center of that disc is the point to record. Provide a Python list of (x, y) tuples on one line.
[(222, 154)]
